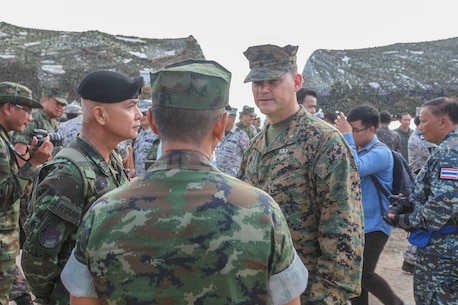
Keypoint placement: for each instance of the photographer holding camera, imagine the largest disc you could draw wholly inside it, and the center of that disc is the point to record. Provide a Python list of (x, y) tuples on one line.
[(46, 118), (16, 103), (433, 225)]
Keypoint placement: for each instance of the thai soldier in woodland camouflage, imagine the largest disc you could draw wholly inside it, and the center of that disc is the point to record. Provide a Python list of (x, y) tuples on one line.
[(229, 150), (16, 103), (59, 200), (306, 165), (433, 225), (54, 101), (185, 233), (246, 117)]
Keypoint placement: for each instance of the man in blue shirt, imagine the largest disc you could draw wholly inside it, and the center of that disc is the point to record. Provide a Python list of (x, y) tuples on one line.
[(372, 158)]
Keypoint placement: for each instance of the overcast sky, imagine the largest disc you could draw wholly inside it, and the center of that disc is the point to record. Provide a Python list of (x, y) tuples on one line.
[(225, 29)]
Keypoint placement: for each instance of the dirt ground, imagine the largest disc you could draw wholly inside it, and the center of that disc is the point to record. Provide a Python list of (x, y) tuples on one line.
[(389, 267)]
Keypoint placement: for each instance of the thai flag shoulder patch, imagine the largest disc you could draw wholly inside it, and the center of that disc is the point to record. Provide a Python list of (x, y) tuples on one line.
[(449, 173)]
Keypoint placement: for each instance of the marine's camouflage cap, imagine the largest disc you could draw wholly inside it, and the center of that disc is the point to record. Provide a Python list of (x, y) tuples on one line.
[(14, 93), (192, 84), (269, 61), (58, 94)]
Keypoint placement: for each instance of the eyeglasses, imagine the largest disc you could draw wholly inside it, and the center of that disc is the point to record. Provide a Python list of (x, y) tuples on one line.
[(26, 109), (356, 130)]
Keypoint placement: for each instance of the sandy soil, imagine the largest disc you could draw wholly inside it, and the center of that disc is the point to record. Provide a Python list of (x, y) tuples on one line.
[(389, 267)]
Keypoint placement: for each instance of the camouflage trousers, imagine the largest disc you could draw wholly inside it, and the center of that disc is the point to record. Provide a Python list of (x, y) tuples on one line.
[(8, 252), (435, 278), (20, 286)]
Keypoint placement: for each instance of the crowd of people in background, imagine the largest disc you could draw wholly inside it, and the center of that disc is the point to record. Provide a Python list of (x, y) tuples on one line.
[(184, 195)]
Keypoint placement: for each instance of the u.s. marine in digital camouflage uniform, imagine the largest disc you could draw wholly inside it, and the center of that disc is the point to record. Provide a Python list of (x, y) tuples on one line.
[(58, 201), (15, 102), (433, 225), (186, 233), (308, 168)]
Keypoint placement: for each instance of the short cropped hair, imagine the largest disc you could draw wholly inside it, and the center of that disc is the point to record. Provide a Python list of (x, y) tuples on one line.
[(303, 92), (368, 115), (184, 124), (444, 106)]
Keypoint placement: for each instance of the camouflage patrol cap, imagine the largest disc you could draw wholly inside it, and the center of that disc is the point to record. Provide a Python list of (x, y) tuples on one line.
[(248, 110), (17, 94), (269, 61), (192, 84), (58, 94)]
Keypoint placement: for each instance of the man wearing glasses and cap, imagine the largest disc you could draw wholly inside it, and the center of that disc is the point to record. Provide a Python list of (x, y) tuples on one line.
[(16, 103), (53, 101), (246, 117)]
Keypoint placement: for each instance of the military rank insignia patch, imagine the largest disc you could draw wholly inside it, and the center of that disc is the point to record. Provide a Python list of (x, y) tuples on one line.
[(53, 234)]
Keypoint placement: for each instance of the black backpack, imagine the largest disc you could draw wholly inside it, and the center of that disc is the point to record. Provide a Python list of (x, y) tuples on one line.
[(403, 178)]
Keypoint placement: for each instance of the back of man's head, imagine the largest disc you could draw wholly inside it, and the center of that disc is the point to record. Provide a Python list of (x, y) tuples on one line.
[(187, 98), (302, 93), (385, 117)]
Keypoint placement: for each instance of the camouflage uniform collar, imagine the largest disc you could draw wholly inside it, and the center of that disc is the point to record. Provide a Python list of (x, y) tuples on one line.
[(92, 153), (182, 158)]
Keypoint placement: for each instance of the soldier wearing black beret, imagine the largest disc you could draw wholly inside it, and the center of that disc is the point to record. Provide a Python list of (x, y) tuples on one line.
[(109, 103)]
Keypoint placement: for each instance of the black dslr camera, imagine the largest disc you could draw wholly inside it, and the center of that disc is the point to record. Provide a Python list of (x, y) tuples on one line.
[(398, 205), (41, 134)]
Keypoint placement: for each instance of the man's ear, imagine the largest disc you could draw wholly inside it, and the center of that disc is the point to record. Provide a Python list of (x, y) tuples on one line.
[(152, 124), (99, 114), (220, 125), (297, 82), (6, 108)]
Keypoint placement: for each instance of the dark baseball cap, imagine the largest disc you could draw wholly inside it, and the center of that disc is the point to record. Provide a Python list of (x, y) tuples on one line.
[(248, 110), (109, 87)]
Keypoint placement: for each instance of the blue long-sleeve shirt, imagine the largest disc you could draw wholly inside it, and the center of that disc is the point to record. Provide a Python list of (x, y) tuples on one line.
[(376, 161)]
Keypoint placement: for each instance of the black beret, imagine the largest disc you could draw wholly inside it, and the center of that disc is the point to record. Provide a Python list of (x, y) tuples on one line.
[(109, 87)]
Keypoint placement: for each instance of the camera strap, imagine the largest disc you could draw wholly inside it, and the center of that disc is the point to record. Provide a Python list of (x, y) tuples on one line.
[(11, 148)]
